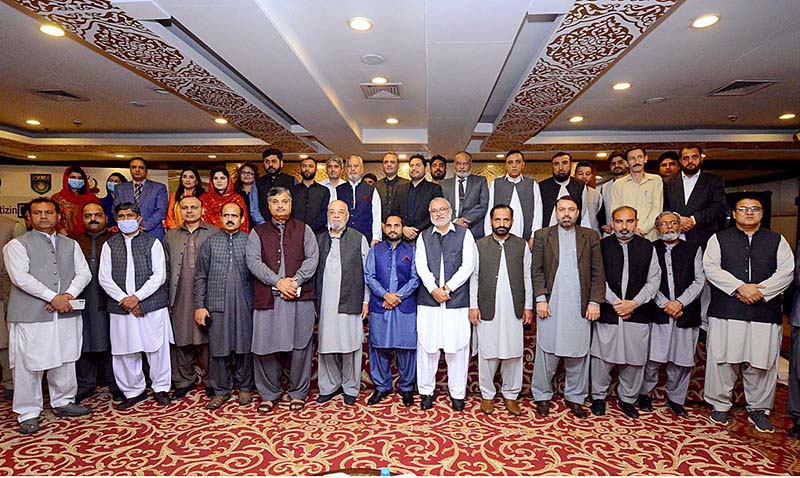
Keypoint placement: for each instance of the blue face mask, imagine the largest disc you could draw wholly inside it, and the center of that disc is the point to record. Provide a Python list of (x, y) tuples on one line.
[(128, 226), (75, 183), (110, 186)]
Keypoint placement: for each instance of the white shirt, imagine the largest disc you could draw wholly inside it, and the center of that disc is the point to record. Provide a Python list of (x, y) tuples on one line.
[(148, 288), (519, 210), (689, 182), (377, 232), (327, 183), (457, 201)]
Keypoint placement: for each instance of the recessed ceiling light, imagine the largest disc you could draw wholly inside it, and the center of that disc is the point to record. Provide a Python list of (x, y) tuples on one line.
[(212, 156), (402, 156), (31, 156), (303, 156), (372, 59), (500, 156), (220, 121), (33, 122), (576, 119), (392, 121), (602, 155), (51, 30), (787, 116), (705, 21), (360, 24), (621, 86), (655, 100), (161, 91), (379, 80), (119, 155)]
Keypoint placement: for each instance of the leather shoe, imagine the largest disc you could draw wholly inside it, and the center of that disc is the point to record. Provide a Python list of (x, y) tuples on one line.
[(130, 402), (487, 406), (8, 394), (677, 408), (117, 396), (349, 399), (598, 407), (543, 407), (458, 404), (83, 395), (327, 397), (644, 403), (408, 398), (376, 397), (426, 403), (628, 409), (576, 409), (162, 399), (71, 410), (181, 392), (794, 432), (513, 407)]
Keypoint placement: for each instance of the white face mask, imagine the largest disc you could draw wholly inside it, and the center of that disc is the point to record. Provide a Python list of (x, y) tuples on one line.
[(128, 226)]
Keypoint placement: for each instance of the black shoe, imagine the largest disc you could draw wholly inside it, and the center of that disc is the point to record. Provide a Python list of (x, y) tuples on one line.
[(628, 409), (576, 409), (130, 402), (408, 398), (209, 392), (162, 398), (644, 403), (8, 394), (350, 399), (794, 432), (181, 392), (83, 395), (376, 397), (598, 407), (327, 398), (117, 396), (71, 410), (427, 402), (677, 408), (458, 404), (543, 407)]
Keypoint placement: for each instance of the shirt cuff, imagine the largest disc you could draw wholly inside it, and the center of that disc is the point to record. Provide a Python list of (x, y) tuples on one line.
[(541, 298)]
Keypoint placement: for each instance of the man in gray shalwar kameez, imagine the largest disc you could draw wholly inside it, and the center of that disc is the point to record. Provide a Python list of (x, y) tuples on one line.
[(181, 246), (343, 305), (282, 255), (621, 335), (676, 322), (223, 292)]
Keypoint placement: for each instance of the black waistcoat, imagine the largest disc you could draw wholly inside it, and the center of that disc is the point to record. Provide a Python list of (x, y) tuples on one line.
[(640, 253)]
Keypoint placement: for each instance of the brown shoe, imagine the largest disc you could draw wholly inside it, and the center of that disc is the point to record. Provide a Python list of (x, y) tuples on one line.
[(576, 409), (245, 398), (217, 401), (487, 406), (513, 407), (543, 407)]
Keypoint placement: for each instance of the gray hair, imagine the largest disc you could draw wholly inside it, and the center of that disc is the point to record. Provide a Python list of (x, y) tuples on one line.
[(665, 213), (335, 159), (274, 191)]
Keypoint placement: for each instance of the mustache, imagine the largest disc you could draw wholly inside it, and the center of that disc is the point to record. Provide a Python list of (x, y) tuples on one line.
[(229, 223), (94, 222)]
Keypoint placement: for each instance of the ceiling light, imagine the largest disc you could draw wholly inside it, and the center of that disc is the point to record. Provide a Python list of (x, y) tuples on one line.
[(655, 100), (120, 155), (576, 119), (379, 80), (220, 121), (161, 91), (392, 121), (499, 156), (212, 156), (31, 156), (51, 30), (360, 24), (602, 155), (705, 21), (402, 156), (372, 59), (787, 116), (33, 122), (621, 86), (303, 156)]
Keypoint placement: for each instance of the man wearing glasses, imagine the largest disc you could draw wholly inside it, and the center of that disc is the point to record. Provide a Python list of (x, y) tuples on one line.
[(749, 268)]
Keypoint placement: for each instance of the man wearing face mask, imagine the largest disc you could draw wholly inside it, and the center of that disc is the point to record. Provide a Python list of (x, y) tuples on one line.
[(273, 177), (223, 295), (621, 334), (133, 272), (95, 361), (468, 193), (343, 304), (181, 246), (676, 321), (309, 198), (149, 196)]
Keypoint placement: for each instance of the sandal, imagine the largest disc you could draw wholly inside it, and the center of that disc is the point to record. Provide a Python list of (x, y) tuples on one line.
[(266, 406), (29, 426), (296, 405)]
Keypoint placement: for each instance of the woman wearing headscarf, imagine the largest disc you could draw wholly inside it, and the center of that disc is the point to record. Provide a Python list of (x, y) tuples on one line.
[(108, 201), (189, 185), (220, 192), (73, 195)]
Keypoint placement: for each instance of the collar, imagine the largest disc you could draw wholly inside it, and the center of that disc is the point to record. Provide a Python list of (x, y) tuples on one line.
[(202, 225), (49, 236), (512, 180), (561, 183), (464, 178), (142, 183), (450, 228), (354, 184), (689, 178)]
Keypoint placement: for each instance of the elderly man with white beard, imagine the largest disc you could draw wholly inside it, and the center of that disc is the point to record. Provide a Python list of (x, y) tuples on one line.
[(446, 256), (363, 202)]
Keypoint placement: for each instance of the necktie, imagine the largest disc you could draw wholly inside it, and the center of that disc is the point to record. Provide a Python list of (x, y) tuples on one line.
[(137, 193), (461, 193)]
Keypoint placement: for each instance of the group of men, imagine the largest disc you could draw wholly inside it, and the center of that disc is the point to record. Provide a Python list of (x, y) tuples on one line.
[(445, 267)]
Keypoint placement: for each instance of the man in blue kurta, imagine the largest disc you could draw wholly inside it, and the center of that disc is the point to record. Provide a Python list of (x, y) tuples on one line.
[(392, 278)]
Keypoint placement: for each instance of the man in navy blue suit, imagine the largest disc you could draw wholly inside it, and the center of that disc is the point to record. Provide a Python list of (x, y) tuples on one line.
[(150, 196)]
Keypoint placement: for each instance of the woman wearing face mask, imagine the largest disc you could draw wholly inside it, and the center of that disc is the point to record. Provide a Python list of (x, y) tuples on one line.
[(220, 192), (73, 195), (108, 201), (189, 185)]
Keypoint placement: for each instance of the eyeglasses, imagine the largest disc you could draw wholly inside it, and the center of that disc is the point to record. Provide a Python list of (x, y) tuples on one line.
[(668, 223), (439, 210), (247, 173), (744, 209)]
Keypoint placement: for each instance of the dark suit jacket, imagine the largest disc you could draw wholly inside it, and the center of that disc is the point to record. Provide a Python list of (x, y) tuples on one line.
[(153, 204), (590, 264), (476, 201), (417, 214), (706, 204)]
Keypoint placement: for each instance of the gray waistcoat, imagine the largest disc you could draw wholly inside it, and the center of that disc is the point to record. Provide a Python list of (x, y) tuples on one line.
[(503, 190), (489, 251), (351, 289), (448, 248), (141, 247), (48, 266)]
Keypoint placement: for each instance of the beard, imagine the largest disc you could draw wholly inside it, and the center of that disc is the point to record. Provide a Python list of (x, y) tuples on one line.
[(691, 169), (561, 177), (307, 176), (500, 231), (566, 222), (273, 171), (669, 236), (438, 175), (338, 226), (441, 222), (624, 235)]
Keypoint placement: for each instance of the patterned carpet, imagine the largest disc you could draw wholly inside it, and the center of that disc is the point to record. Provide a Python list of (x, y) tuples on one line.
[(186, 439)]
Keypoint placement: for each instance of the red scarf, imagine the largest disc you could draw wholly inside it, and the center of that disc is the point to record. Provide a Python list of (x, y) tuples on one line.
[(213, 202), (71, 204)]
